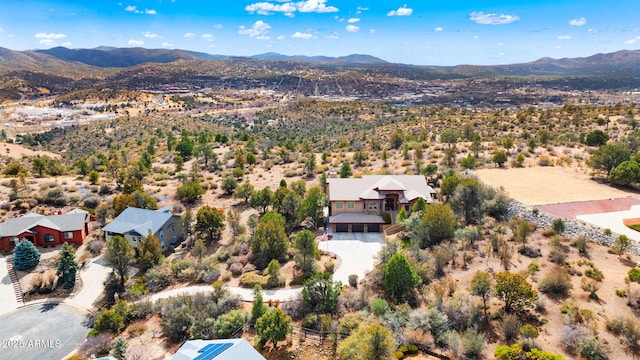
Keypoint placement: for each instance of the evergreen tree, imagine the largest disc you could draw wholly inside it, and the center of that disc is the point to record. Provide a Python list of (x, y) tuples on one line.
[(273, 326), (399, 278), (150, 250), (119, 255), (25, 256), (67, 267)]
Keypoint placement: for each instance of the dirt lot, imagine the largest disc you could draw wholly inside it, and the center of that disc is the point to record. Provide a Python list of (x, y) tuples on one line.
[(548, 185)]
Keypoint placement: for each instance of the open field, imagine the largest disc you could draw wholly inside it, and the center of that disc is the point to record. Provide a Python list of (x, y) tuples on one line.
[(548, 185)]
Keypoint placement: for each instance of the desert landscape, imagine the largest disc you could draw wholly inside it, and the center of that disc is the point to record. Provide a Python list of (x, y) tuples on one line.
[(318, 207)]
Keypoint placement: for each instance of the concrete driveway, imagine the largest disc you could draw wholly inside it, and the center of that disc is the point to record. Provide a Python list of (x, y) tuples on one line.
[(8, 301), (357, 253), (43, 331)]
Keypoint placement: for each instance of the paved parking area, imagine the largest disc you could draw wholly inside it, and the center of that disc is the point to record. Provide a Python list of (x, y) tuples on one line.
[(357, 253), (43, 331), (614, 221)]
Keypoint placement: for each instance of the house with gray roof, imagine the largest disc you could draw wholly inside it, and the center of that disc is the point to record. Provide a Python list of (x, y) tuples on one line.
[(72, 227), (357, 204), (223, 349), (134, 223)]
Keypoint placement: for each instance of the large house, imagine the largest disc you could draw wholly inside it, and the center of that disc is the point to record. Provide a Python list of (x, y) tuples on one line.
[(357, 204), (72, 227), (134, 223), (224, 349)]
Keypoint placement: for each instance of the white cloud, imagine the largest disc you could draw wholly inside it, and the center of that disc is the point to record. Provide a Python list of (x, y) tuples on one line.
[(630, 41), (134, 42), (333, 36), (352, 28), (189, 35), (207, 37), (281, 37), (1, 30), (492, 19), (168, 44), (134, 9), (438, 29), (592, 31), (151, 35), (403, 11), (353, 20), (218, 26), (258, 30), (300, 35), (564, 37), (578, 22), (50, 36), (288, 8), (362, 8), (372, 31)]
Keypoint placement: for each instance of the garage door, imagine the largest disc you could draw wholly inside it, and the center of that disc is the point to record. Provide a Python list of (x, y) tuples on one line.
[(342, 227), (373, 228), (357, 228)]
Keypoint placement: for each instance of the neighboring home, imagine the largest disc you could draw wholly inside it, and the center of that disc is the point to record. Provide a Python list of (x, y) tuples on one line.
[(72, 227), (134, 223), (357, 204), (225, 349)]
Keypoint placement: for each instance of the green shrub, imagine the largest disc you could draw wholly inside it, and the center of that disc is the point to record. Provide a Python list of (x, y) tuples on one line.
[(329, 267), (25, 256), (634, 275), (379, 307), (557, 282), (595, 274), (108, 321), (249, 280)]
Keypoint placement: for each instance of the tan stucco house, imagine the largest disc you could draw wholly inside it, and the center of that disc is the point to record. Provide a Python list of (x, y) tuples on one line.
[(357, 204)]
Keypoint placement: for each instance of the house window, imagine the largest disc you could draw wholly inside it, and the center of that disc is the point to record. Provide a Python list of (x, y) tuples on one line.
[(48, 238), (339, 205), (68, 235), (171, 228), (161, 234), (13, 241), (373, 205), (351, 205)]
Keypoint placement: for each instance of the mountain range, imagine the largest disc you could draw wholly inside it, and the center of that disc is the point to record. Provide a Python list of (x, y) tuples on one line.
[(59, 70)]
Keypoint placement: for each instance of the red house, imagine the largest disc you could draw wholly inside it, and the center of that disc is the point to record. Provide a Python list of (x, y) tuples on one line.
[(72, 227)]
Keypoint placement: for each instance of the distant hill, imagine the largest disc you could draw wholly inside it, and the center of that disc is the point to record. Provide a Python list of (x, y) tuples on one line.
[(349, 59), (119, 57), (126, 57)]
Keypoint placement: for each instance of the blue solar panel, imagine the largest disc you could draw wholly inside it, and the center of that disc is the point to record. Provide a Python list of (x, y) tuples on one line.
[(212, 350)]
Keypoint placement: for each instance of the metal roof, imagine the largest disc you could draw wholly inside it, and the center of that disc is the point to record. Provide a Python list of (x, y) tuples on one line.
[(138, 220)]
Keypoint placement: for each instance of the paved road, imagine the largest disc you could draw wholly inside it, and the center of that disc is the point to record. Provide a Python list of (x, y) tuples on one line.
[(357, 253), (42, 331), (245, 293), (8, 301)]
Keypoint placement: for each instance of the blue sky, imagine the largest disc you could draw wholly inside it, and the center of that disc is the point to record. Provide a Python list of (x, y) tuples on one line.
[(425, 32)]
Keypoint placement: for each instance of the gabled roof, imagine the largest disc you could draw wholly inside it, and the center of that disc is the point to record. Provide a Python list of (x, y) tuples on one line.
[(72, 221), (372, 187), (236, 349), (139, 220)]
